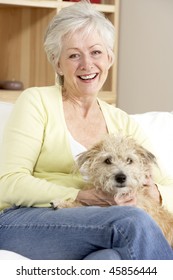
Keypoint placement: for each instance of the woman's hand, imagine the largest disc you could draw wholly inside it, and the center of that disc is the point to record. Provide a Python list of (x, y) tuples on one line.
[(130, 199), (153, 189), (99, 198), (93, 197), (126, 200)]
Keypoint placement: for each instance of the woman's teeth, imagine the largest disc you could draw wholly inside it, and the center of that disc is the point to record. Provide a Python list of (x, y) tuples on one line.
[(88, 77)]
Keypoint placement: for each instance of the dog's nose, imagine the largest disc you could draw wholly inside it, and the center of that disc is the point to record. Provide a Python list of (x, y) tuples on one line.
[(120, 178)]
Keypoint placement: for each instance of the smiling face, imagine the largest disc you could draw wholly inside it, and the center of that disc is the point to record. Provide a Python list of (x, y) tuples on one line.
[(84, 64)]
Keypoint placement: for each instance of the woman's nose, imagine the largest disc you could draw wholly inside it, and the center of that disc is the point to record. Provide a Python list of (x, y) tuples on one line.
[(86, 63)]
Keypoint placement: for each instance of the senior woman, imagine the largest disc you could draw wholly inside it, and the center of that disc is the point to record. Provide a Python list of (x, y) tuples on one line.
[(48, 128)]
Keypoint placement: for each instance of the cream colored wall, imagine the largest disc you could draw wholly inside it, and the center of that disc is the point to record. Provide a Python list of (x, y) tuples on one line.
[(145, 72)]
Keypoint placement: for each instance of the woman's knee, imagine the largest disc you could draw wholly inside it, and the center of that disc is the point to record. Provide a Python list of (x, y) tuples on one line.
[(141, 217), (136, 223)]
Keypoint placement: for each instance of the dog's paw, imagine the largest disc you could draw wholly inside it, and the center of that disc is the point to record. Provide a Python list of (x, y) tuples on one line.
[(60, 204), (54, 204)]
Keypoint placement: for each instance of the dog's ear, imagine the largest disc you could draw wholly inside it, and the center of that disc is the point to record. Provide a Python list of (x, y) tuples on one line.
[(82, 158), (86, 158), (147, 156)]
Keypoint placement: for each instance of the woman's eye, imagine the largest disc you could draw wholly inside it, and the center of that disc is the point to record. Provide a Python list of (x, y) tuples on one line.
[(74, 56), (129, 161), (108, 161), (96, 52)]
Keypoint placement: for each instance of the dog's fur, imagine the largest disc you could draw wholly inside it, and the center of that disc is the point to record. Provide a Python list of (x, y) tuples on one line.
[(118, 165)]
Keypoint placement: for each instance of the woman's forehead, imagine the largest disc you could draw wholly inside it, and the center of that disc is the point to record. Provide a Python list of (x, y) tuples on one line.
[(82, 37)]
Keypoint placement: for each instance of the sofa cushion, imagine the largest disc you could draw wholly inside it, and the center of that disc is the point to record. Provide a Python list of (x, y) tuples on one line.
[(159, 128), (8, 255)]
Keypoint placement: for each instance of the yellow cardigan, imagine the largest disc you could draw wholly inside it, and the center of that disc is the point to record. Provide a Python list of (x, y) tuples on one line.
[(36, 160)]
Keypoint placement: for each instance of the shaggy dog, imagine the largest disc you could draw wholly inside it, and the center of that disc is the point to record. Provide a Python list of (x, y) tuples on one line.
[(120, 166)]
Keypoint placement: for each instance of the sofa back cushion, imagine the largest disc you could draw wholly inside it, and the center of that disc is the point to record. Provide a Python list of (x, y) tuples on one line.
[(158, 126)]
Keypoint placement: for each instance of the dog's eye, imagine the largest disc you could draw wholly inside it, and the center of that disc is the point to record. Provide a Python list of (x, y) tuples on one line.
[(129, 161), (108, 160)]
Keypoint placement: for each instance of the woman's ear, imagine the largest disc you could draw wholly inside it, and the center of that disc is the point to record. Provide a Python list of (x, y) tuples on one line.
[(58, 69), (111, 61)]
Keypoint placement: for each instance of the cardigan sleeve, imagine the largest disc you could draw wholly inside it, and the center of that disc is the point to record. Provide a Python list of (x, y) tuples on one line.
[(22, 143)]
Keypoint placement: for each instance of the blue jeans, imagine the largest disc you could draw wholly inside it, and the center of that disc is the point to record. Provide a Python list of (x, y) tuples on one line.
[(114, 233)]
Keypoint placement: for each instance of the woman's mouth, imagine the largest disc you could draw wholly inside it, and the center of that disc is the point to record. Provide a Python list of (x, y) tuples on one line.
[(88, 77)]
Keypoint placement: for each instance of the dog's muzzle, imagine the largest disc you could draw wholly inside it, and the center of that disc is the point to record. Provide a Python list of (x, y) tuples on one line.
[(120, 178)]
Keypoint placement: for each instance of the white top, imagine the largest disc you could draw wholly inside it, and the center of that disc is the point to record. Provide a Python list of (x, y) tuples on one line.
[(76, 147)]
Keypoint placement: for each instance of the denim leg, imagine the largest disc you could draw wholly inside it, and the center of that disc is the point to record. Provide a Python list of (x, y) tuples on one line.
[(74, 233)]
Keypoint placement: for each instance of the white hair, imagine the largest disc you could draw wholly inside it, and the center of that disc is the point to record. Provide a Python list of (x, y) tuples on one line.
[(79, 16)]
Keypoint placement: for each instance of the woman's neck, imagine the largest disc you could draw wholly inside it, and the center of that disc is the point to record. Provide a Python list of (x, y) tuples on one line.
[(84, 105)]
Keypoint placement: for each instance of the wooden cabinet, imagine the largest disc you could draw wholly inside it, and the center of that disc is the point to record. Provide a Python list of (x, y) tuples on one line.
[(22, 57)]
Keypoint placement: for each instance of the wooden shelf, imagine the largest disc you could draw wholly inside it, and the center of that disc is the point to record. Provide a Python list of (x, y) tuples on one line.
[(12, 95), (31, 3), (9, 95), (107, 96), (54, 4)]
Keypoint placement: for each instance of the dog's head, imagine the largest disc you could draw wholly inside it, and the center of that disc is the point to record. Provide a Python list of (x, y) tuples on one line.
[(116, 164)]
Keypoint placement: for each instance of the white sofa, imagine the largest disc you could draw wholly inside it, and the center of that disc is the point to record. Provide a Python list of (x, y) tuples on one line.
[(158, 126), (5, 110)]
